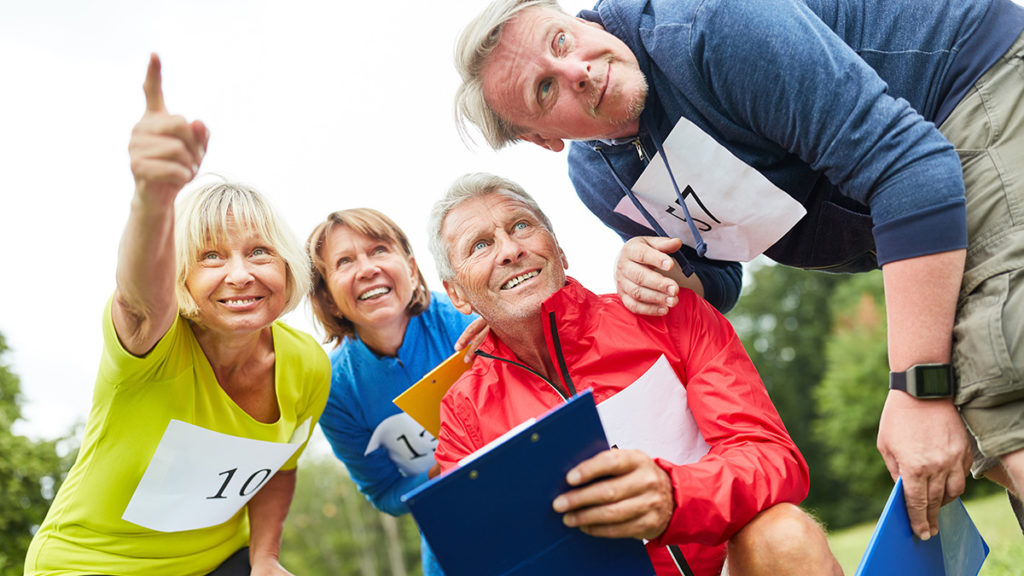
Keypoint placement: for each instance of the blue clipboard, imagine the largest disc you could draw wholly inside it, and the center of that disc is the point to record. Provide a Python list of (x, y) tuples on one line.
[(493, 514), (958, 551)]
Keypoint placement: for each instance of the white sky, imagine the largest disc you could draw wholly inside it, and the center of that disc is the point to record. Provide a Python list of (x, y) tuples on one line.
[(321, 105)]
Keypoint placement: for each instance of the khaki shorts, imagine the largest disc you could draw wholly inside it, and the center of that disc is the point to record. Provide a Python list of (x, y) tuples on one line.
[(987, 129)]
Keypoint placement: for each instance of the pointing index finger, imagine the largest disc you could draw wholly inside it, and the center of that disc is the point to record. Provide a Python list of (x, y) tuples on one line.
[(153, 86)]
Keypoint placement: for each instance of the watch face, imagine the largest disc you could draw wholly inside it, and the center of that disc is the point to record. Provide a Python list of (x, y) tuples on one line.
[(933, 381)]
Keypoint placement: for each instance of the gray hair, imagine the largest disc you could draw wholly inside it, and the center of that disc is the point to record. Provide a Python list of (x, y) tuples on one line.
[(476, 43), (464, 188)]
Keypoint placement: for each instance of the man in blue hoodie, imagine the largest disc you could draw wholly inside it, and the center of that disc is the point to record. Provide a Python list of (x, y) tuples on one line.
[(817, 132)]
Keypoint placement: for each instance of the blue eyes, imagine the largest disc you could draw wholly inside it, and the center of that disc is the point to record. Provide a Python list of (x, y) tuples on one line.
[(561, 40), (545, 89), (481, 244)]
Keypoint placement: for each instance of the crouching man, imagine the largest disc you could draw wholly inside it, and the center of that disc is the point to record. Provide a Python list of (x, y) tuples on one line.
[(703, 467)]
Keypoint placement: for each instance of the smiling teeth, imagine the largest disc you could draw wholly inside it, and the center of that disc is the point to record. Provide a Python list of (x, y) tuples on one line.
[(522, 277), (239, 302), (375, 292)]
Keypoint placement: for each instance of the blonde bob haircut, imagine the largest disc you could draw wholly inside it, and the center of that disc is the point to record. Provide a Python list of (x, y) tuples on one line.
[(472, 52), (202, 220), (370, 223)]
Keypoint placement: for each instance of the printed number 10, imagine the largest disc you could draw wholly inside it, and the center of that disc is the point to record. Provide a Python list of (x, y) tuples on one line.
[(246, 490)]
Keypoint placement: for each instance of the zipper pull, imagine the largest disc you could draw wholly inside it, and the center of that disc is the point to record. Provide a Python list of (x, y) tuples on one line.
[(640, 150)]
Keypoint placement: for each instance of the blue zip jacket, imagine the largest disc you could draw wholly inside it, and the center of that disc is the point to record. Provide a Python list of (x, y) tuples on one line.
[(373, 438), (833, 101)]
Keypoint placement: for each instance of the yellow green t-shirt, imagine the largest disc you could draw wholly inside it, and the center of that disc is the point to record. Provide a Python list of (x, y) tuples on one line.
[(133, 402)]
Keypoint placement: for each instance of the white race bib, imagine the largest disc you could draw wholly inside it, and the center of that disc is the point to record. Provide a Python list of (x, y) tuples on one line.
[(199, 478), (652, 415), (737, 211), (409, 446)]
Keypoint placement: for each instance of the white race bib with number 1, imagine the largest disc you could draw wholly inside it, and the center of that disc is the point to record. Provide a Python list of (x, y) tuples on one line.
[(199, 478)]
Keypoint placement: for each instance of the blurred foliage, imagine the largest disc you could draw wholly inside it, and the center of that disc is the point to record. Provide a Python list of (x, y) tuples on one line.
[(333, 529), (819, 342), (784, 320), (30, 474)]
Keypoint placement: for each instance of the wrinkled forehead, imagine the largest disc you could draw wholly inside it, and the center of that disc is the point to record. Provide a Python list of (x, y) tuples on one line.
[(523, 43), (479, 214)]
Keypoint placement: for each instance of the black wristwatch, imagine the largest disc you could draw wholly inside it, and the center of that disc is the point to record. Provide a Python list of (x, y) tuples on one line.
[(924, 381)]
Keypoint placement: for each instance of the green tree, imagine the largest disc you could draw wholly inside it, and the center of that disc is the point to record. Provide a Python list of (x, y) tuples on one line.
[(850, 399), (784, 320), (30, 474)]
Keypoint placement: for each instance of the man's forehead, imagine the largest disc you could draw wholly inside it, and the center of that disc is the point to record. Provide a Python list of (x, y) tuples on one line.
[(485, 211), (523, 39)]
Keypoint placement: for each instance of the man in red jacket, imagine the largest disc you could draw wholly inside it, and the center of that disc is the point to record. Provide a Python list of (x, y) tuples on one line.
[(704, 468)]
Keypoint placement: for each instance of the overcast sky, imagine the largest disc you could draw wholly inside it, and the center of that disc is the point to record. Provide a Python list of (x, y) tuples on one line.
[(321, 105)]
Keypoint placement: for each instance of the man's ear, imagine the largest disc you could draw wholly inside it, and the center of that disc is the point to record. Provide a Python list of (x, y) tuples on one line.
[(455, 295), (553, 144)]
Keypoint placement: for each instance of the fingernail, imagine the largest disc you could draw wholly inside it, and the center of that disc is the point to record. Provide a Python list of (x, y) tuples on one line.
[(925, 537), (573, 477), (560, 504), (569, 520)]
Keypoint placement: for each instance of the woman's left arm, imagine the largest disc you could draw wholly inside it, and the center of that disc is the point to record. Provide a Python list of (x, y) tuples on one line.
[(267, 512)]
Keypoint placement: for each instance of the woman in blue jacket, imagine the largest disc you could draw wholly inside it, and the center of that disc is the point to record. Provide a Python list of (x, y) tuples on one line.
[(389, 331)]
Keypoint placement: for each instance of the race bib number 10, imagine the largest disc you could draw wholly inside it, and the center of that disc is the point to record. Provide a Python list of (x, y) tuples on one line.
[(199, 478)]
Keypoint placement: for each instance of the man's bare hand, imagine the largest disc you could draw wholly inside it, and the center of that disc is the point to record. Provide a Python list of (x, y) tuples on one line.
[(925, 442), (640, 275), (618, 494)]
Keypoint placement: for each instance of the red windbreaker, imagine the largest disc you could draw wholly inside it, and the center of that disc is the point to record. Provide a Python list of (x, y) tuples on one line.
[(680, 387)]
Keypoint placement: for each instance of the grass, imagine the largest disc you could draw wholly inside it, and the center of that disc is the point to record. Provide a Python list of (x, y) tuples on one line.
[(994, 520)]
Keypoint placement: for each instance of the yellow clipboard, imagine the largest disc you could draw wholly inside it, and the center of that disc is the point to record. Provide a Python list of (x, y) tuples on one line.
[(422, 400)]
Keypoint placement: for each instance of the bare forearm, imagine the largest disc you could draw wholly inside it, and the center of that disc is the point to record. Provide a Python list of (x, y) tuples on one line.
[(921, 295), (267, 512), (145, 270), (165, 152), (923, 440)]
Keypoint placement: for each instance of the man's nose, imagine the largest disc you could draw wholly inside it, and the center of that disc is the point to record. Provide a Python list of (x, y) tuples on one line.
[(577, 74), (509, 250)]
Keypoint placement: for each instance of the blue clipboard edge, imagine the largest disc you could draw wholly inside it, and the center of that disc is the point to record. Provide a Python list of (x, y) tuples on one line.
[(958, 550)]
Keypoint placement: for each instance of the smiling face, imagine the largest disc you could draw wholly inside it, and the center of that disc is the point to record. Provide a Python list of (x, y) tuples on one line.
[(506, 262), (239, 285), (371, 281), (560, 77)]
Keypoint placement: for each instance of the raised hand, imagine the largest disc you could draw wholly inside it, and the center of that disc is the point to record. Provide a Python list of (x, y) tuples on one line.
[(640, 276), (165, 150)]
